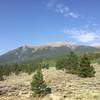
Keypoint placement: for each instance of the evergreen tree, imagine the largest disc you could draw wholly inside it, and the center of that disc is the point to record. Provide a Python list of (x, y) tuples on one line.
[(72, 63), (1, 73), (38, 84), (61, 64), (1, 77), (85, 69)]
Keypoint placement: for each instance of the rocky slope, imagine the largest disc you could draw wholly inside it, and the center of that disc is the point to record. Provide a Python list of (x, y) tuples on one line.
[(64, 86)]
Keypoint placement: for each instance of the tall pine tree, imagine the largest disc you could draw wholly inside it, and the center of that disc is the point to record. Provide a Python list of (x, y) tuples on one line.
[(72, 63), (86, 69), (38, 85)]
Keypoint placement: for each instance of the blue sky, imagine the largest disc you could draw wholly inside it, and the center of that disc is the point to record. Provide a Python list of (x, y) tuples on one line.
[(42, 21)]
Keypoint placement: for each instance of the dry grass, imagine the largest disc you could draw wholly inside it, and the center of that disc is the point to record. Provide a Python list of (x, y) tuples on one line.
[(64, 86)]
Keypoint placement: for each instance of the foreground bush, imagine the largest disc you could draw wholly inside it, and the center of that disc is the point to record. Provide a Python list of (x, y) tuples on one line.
[(38, 85), (85, 69)]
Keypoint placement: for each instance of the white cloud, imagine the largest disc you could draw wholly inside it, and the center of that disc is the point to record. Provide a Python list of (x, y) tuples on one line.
[(72, 14), (65, 11), (61, 9), (81, 35), (86, 37)]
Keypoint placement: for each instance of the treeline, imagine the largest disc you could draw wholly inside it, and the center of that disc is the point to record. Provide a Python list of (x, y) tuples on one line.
[(80, 65), (71, 63), (7, 69), (94, 57)]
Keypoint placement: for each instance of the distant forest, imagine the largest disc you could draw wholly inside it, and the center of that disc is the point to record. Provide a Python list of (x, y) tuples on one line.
[(31, 66)]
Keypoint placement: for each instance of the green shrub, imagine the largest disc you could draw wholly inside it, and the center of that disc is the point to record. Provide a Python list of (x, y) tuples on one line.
[(1, 77), (38, 85), (72, 63), (85, 69), (61, 63)]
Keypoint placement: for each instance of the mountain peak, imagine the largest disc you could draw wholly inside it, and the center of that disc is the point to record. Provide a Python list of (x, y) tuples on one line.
[(50, 44), (58, 44), (96, 45)]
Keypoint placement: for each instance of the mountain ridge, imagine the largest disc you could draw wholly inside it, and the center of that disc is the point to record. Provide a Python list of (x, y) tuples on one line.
[(48, 50)]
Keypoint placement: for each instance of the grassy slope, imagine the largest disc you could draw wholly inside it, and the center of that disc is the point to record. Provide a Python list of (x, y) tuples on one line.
[(62, 84)]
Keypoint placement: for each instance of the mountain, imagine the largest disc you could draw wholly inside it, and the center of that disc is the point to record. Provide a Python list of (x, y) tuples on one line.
[(97, 46), (53, 49)]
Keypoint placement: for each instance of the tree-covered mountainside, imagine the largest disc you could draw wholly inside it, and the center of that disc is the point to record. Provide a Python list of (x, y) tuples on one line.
[(25, 53)]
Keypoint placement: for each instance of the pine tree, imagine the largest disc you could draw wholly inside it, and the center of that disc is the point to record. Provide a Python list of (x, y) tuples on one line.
[(85, 69), (61, 64), (1, 73), (38, 85), (72, 63)]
